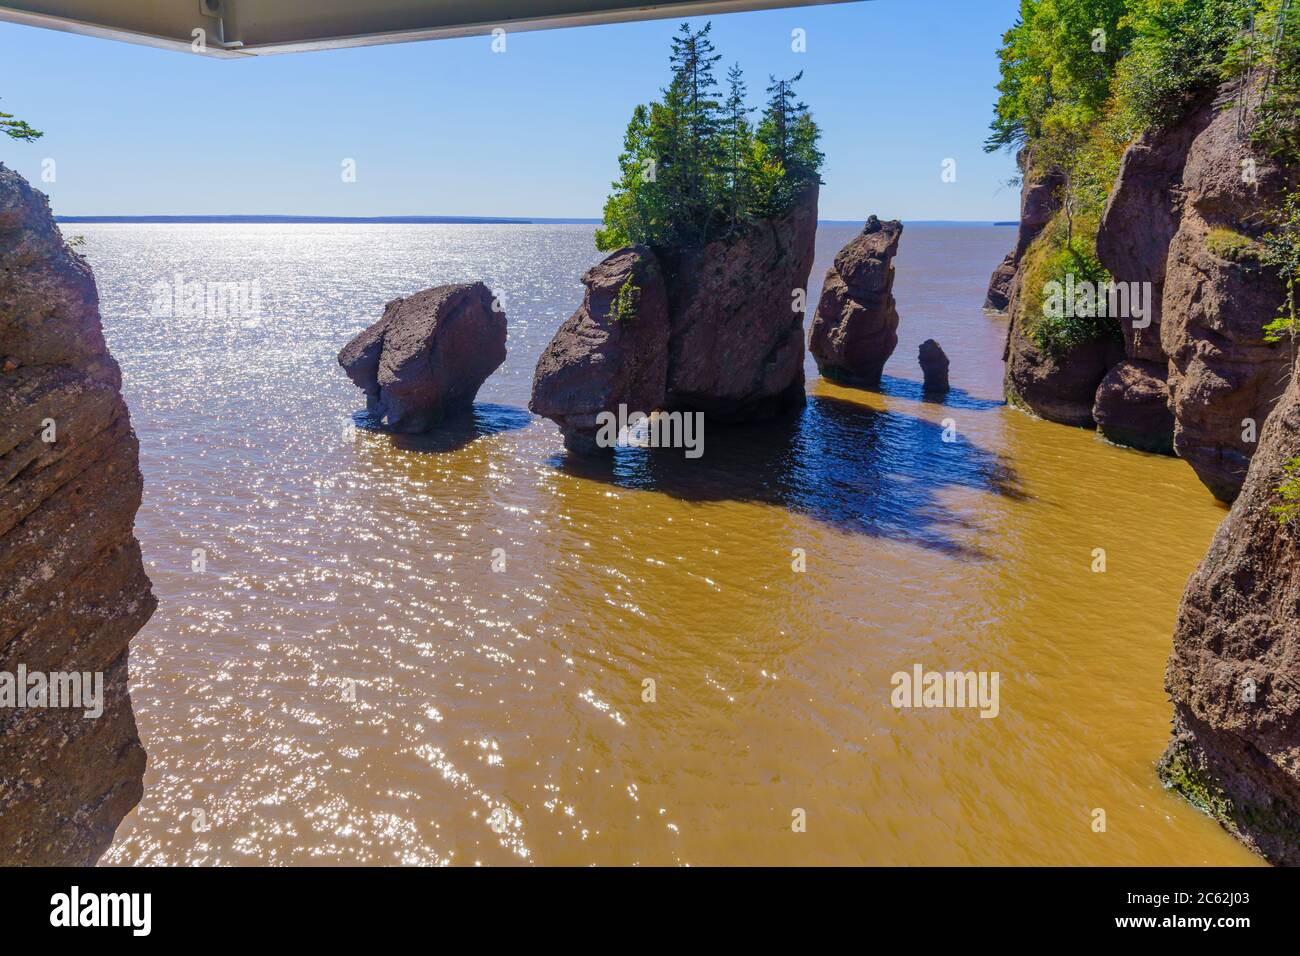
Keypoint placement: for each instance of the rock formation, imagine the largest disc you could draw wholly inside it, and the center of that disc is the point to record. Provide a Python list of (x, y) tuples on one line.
[(1216, 302), (1234, 674), (1059, 388), (1038, 203), (73, 591), (855, 328), (1142, 215), (1131, 407), (428, 355), (736, 346), (1195, 376), (612, 351), (711, 329), (934, 366)]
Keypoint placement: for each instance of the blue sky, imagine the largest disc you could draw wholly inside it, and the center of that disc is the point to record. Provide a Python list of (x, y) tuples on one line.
[(447, 127)]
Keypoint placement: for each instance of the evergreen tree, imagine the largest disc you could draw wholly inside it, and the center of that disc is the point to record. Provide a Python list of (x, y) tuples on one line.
[(17, 129), (738, 145), (779, 117), (693, 170), (697, 113)]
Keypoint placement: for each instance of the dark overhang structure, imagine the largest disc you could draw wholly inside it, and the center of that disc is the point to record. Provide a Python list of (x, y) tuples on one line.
[(238, 28)]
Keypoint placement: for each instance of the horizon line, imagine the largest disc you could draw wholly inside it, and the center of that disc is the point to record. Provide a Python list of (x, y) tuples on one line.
[(280, 219)]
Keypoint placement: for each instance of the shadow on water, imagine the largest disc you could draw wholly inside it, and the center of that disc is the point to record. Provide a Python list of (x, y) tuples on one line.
[(453, 433), (848, 465), (957, 398)]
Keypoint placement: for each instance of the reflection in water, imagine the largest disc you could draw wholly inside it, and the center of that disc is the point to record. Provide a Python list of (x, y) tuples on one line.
[(434, 651), (454, 432), (954, 398), (837, 461)]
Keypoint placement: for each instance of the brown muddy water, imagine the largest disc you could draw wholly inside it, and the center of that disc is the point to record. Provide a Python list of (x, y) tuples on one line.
[(348, 680)]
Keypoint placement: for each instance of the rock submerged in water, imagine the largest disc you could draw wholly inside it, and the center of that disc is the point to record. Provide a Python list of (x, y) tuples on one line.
[(1234, 674), (710, 330), (1132, 407), (428, 356), (855, 328), (75, 590), (613, 350), (1060, 388), (934, 366)]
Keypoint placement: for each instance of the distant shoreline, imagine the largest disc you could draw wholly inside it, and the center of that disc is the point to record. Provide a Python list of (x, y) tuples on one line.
[(439, 220)]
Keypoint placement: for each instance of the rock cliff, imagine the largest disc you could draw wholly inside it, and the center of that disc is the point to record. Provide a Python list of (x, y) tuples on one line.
[(736, 340), (1234, 674), (1141, 218), (73, 591), (1217, 299), (1039, 201), (855, 328), (1195, 376)]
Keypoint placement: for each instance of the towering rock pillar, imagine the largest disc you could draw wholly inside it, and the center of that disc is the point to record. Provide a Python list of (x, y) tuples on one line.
[(73, 591)]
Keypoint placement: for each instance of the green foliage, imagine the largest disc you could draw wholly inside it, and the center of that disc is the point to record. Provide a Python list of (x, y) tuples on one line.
[(1056, 65), (17, 129), (1277, 40), (623, 308), (1074, 105), (1063, 250), (1289, 492), (694, 169), (1178, 53), (1281, 250)]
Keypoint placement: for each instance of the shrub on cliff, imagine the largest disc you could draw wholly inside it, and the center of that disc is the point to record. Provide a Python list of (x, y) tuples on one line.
[(694, 169), (1281, 250)]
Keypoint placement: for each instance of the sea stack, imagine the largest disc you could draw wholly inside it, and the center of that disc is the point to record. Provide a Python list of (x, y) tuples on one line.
[(934, 366), (708, 329), (855, 329), (612, 351), (428, 356), (74, 588)]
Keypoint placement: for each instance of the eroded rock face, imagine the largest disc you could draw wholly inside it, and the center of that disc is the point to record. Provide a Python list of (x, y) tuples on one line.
[(855, 328), (1038, 203), (428, 356), (1142, 216), (73, 591), (1132, 407), (1215, 305), (1234, 674), (1058, 388), (736, 343), (612, 351)]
